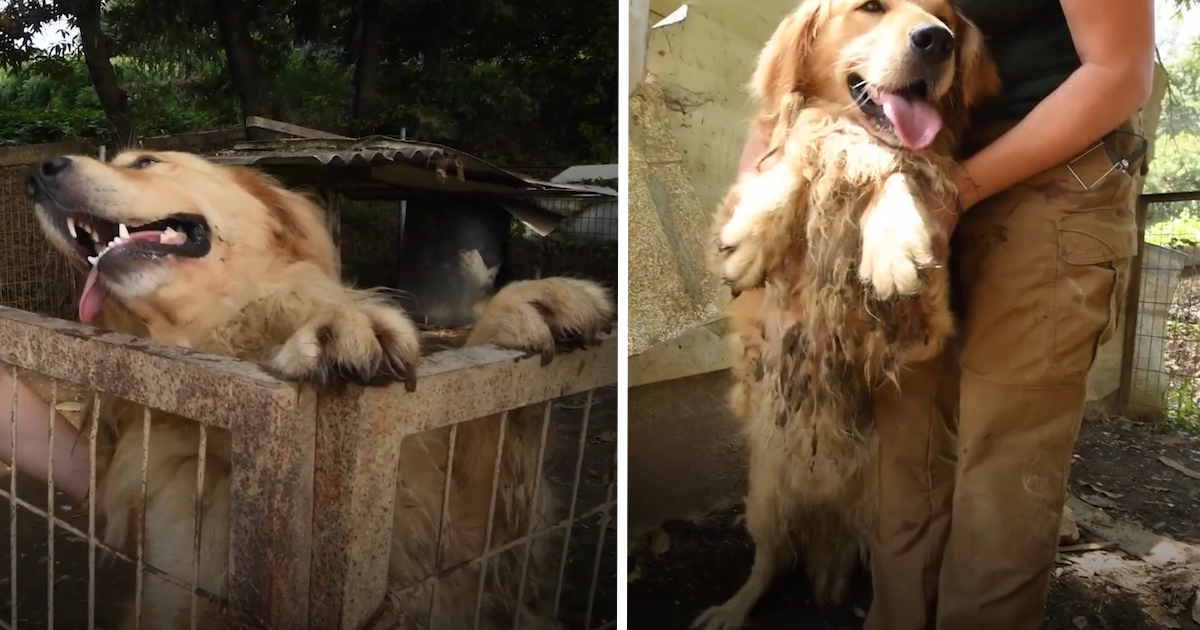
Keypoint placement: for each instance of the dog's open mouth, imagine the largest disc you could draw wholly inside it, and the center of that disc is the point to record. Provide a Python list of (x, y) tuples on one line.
[(906, 113), (112, 247)]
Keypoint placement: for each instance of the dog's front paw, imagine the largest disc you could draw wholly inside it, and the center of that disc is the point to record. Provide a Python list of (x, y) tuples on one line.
[(546, 317), (743, 260), (365, 343), (755, 229), (726, 617), (897, 243)]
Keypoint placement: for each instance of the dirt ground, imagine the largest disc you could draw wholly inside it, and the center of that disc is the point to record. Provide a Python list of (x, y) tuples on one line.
[(1141, 476)]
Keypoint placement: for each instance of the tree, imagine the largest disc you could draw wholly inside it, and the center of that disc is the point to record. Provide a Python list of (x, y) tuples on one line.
[(366, 45), (21, 20), (87, 17), (241, 54), (515, 81)]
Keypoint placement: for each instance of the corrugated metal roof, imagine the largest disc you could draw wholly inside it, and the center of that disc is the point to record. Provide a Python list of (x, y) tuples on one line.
[(426, 167)]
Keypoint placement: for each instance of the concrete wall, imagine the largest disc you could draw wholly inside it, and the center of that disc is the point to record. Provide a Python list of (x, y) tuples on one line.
[(688, 123)]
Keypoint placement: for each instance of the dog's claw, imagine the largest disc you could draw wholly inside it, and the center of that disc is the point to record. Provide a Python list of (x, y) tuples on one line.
[(370, 345)]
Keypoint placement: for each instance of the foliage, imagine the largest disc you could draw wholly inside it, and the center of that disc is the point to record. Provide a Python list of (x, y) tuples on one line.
[(1177, 148), (515, 81)]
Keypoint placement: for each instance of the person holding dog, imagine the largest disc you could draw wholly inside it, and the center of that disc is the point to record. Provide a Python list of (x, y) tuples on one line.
[(975, 446)]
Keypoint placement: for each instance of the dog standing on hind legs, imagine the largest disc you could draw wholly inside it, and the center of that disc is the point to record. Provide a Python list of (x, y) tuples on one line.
[(831, 254), (225, 261)]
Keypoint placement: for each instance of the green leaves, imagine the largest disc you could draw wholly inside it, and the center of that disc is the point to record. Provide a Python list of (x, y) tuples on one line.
[(515, 81)]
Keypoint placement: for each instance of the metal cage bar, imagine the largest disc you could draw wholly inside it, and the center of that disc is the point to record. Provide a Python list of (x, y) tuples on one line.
[(272, 427), (312, 477)]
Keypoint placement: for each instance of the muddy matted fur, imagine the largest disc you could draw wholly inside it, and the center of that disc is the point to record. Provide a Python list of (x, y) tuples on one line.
[(269, 291), (832, 257)]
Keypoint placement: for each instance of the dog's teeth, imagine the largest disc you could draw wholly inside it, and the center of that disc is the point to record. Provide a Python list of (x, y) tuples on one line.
[(71, 227), (92, 260), (95, 236), (122, 231), (171, 237)]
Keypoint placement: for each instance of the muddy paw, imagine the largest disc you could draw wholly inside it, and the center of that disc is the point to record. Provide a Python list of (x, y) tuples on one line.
[(364, 344), (743, 265), (897, 244), (745, 241)]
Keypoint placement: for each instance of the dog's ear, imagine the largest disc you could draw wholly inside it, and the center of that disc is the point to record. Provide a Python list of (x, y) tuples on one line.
[(976, 77), (297, 224), (781, 64)]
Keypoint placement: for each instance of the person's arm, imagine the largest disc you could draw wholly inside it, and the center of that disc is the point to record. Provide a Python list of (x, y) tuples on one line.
[(71, 463), (756, 146), (1115, 42)]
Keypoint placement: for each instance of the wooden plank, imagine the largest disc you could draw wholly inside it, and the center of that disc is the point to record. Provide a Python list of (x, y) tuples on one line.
[(298, 131), (1148, 546), (195, 142)]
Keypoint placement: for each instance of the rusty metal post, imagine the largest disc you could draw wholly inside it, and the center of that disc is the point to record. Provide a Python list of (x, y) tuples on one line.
[(272, 514), (359, 434), (358, 449), (1133, 299)]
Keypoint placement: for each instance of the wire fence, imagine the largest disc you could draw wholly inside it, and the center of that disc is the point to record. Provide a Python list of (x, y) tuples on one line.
[(33, 276), (1162, 364)]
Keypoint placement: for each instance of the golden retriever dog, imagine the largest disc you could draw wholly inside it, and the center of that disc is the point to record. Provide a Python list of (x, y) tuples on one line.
[(832, 257), (226, 261)]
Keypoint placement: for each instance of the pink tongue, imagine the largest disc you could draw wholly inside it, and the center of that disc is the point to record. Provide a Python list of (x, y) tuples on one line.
[(94, 292), (93, 297), (917, 123)]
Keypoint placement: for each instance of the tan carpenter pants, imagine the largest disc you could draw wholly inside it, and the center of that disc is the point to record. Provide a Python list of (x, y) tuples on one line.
[(968, 528)]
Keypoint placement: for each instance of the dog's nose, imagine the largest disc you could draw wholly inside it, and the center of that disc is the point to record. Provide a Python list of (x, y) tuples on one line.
[(53, 168), (932, 41), (45, 173)]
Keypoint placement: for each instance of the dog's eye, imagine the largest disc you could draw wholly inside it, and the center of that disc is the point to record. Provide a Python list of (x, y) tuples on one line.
[(874, 6), (143, 162)]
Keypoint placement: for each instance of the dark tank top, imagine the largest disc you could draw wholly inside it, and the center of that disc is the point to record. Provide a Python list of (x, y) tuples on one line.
[(1032, 46)]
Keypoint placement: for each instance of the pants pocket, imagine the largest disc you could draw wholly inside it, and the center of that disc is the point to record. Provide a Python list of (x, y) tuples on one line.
[(1095, 248)]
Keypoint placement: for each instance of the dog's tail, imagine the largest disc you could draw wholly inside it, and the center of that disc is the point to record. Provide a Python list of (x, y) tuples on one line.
[(546, 316)]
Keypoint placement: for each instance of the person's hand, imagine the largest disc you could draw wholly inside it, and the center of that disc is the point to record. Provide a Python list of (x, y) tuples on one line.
[(755, 148), (948, 208)]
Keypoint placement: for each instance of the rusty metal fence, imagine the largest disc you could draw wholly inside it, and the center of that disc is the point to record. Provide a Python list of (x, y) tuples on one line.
[(1160, 361), (312, 481)]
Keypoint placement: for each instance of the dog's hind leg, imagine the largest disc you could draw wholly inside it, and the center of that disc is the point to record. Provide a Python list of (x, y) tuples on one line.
[(769, 513), (832, 549)]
